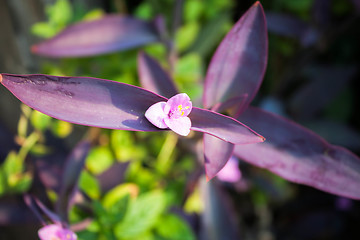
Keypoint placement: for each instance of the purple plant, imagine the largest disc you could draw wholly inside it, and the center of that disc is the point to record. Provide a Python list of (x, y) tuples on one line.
[(59, 227), (232, 81)]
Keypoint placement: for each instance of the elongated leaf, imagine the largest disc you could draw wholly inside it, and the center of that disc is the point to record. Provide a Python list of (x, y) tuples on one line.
[(15, 212), (218, 220), (216, 152), (290, 26), (73, 167), (154, 78), (299, 155), (108, 34), (223, 127), (114, 105), (85, 101), (239, 63)]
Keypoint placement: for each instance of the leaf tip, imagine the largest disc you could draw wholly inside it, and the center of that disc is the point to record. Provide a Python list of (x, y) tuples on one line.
[(257, 3)]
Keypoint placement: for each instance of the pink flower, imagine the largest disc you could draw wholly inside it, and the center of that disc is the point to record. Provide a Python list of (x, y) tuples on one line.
[(172, 114), (230, 172), (56, 232)]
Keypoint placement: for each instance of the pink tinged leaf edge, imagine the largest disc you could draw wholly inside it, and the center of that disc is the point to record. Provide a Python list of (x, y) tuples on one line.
[(299, 155), (154, 78), (216, 153), (239, 63), (108, 34)]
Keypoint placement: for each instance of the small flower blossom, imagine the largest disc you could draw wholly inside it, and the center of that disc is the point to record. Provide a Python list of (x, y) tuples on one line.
[(172, 114), (56, 232)]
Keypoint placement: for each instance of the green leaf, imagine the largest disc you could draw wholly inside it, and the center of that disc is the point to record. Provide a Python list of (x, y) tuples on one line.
[(99, 159), (193, 10), (119, 192), (171, 227), (60, 13), (61, 129), (43, 29), (186, 35), (89, 185), (141, 215), (39, 120)]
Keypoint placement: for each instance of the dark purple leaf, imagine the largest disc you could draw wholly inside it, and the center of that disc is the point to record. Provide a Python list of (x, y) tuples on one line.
[(49, 169), (114, 105), (314, 96), (112, 176), (51, 215), (108, 34), (154, 78), (223, 127), (30, 202), (239, 63), (14, 211), (297, 154), (71, 174), (216, 152), (340, 134), (290, 26), (218, 220), (321, 13), (232, 106), (85, 101)]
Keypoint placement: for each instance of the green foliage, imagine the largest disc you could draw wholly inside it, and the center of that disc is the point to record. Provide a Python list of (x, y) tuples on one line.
[(99, 159), (59, 14), (89, 184), (142, 215), (174, 228)]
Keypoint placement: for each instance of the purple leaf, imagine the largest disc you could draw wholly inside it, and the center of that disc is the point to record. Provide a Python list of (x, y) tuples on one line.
[(232, 106), (289, 26), (299, 155), (108, 34), (223, 127), (239, 63), (154, 78), (85, 101), (108, 104), (216, 152), (14, 211), (114, 175), (71, 174), (313, 97), (219, 219)]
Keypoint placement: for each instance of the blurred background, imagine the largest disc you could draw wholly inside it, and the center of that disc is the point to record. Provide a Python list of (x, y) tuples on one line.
[(312, 77)]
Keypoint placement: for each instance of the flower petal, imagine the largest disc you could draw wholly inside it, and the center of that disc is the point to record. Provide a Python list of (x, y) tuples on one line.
[(155, 114), (49, 232), (179, 105), (179, 125)]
